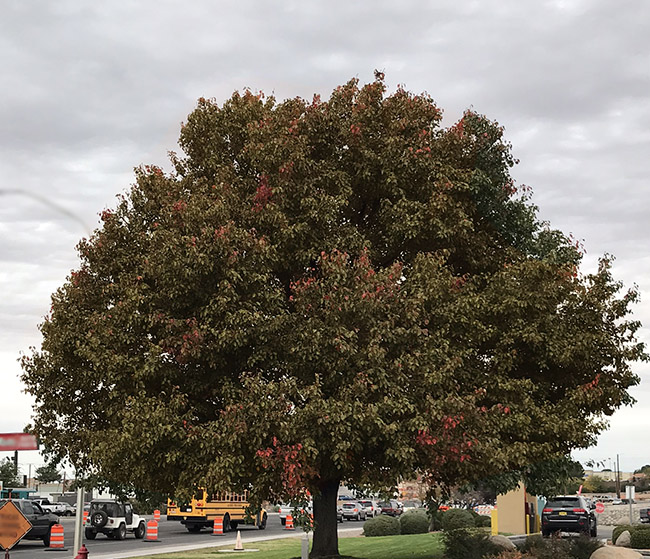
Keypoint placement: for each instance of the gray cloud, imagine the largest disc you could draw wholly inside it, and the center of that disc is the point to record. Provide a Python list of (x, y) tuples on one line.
[(91, 90)]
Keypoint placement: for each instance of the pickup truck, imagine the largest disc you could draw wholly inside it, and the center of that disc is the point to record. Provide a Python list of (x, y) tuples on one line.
[(645, 515), (41, 520), (46, 505)]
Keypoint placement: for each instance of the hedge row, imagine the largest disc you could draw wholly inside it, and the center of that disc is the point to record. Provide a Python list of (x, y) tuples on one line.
[(639, 535), (411, 522)]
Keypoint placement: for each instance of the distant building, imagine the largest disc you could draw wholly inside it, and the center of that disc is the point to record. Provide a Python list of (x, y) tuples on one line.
[(609, 475)]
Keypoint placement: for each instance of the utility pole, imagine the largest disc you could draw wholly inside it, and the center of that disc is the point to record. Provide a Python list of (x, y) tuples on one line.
[(618, 478)]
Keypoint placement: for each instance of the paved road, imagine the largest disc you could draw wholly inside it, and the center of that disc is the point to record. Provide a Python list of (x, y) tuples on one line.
[(173, 536)]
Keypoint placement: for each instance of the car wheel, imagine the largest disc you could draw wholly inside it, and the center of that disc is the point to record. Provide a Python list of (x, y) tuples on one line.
[(140, 530), (546, 533), (90, 534), (46, 537), (120, 533), (283, 521), (99, 519), (262, 524)]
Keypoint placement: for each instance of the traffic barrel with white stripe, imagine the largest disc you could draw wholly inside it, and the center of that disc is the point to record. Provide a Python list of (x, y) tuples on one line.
[(152, 532), (56, 538), (217, 527)]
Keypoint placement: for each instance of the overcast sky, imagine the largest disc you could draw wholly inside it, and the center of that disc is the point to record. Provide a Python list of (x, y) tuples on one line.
[(90, 90)]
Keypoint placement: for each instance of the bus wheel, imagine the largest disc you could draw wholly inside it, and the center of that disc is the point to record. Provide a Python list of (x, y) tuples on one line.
[(262, 524), (226, 523)]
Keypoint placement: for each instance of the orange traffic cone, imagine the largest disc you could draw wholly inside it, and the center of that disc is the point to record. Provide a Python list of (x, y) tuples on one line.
[(289, 523)]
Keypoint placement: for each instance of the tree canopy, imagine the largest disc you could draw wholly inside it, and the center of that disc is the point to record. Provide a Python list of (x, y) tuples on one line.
[(48, 473), (326, 291), (8, 473)]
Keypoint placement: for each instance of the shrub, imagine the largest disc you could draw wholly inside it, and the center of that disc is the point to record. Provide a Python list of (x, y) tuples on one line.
[(532, 543), (483, 522), (551, 548), (381, 526), (583, 546), (640, 537), (464, 543), (510, 554), (454, 519), (414, 522), (619, 530)]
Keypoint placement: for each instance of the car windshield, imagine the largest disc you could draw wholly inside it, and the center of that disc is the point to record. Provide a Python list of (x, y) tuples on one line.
[(563, 502), (365, 503)]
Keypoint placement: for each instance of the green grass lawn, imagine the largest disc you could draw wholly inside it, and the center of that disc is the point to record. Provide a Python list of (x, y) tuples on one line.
[(417, 546)]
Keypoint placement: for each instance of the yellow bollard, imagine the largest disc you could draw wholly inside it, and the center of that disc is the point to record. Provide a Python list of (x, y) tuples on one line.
[(495, 521), (527, 524)]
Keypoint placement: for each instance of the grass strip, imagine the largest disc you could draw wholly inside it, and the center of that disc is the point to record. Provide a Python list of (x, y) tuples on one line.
[(416, 546)]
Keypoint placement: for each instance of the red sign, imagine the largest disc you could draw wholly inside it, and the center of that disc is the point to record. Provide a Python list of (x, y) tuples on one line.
[(600, 507), (17, 441)]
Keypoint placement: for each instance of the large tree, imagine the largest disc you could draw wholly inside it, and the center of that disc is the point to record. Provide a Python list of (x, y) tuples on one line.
[(48, 473), (9, 473), (327, 291)]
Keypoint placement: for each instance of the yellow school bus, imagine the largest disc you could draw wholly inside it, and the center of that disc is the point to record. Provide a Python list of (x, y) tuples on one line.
[(201, 511)]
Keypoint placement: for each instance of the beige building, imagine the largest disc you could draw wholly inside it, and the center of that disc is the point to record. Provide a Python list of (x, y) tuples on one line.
[(609, 475)]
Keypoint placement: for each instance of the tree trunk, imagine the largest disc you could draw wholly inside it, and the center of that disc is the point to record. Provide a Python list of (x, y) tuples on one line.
[(326, 537)]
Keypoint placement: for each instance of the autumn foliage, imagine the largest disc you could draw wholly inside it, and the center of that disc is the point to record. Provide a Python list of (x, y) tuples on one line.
[(325, 291)]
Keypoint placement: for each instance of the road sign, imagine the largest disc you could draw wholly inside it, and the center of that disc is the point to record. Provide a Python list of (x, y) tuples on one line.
[(17, 441), (13, 525), (600, 508)]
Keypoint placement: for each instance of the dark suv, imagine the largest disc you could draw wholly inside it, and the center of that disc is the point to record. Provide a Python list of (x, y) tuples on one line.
[(41, 521), (568, 513)]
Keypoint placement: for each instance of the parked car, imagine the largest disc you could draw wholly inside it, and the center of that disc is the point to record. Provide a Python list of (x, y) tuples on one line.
[(290, 508), (114, 519), (353, 510), (41, 520), (645, 515), (410, 505), (67, 509), (372, 507), (392, 508), (339, 514), (568, 513)]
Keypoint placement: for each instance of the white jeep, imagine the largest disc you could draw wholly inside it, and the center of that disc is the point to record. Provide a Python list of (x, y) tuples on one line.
[(113, 518)]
